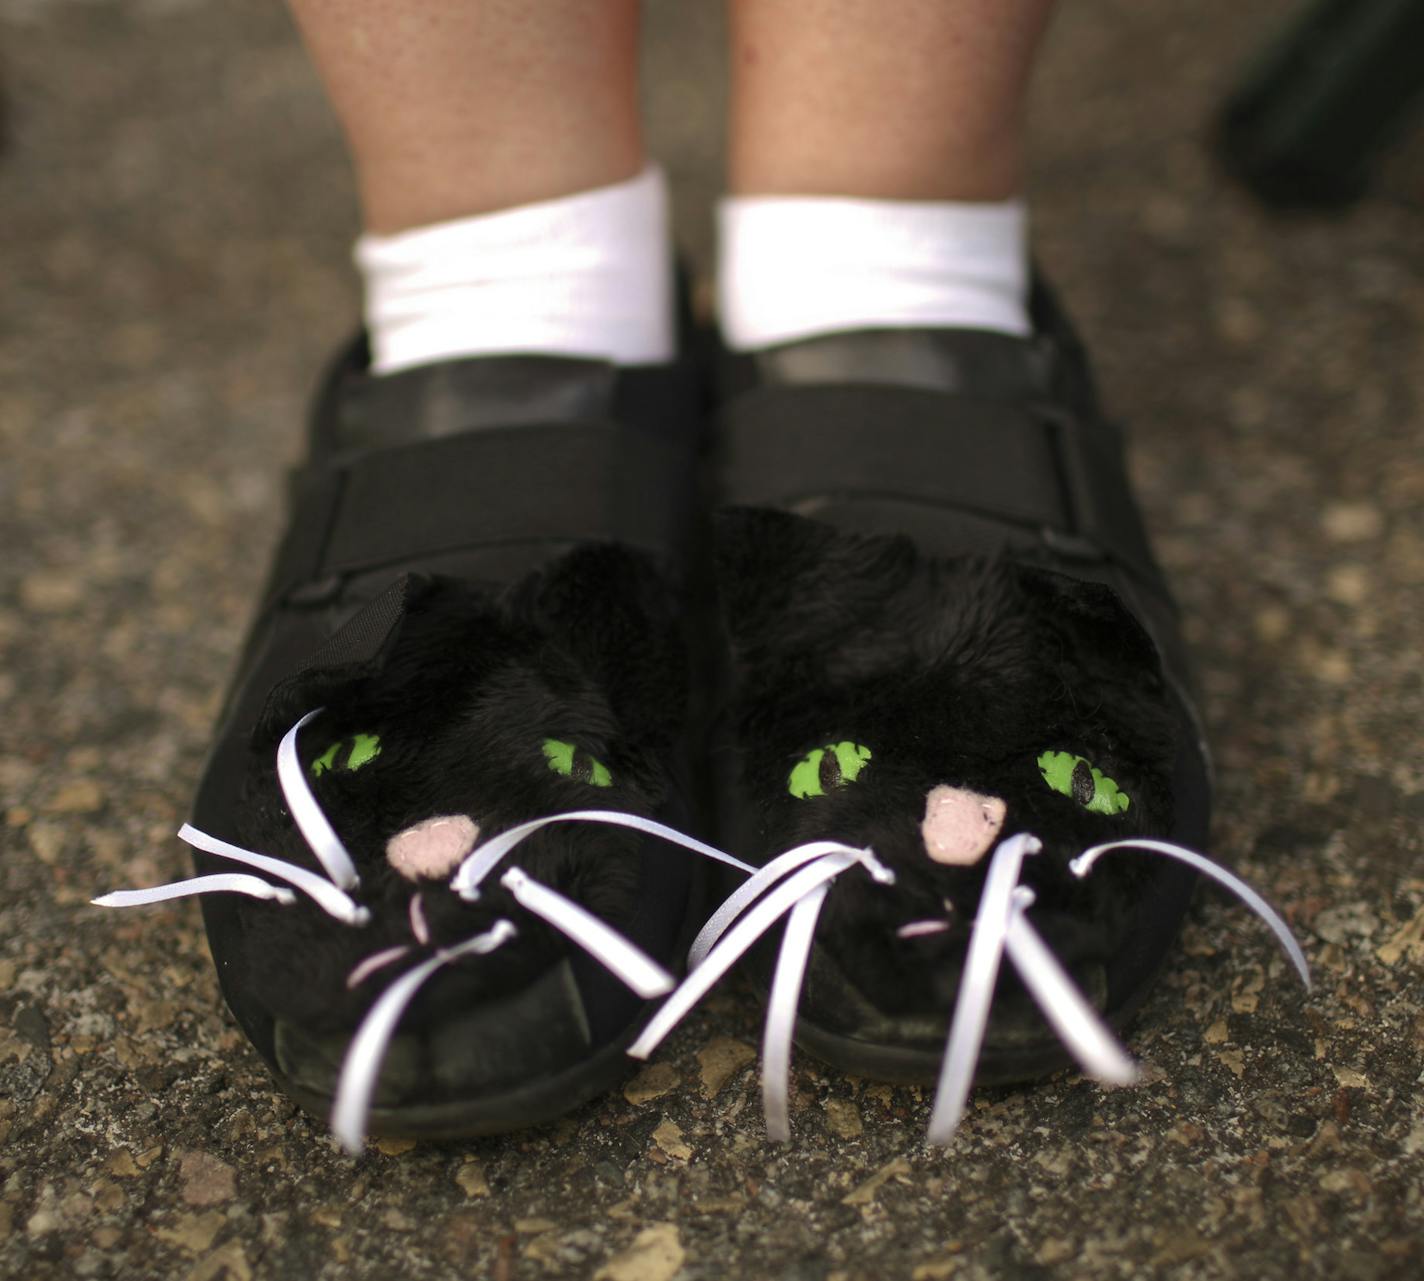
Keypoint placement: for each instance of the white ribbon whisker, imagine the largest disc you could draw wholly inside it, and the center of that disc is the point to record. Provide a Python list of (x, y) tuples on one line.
[(1002, 925), (976, 985), (601, 941), (335, 902), (795, 882), (1083, 864), (765, 877), (376, 961), (307, 814), (781, 1005), (1077, 1023), (362, 1065), (737, 940), (217, 883), (483, 859)]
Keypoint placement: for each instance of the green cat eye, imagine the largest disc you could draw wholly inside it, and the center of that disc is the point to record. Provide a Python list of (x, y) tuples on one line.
[(827, 767), (1085, 783), (364, 749), (573, 762)]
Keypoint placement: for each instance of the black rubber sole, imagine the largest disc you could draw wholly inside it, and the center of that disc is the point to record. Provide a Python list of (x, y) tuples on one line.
[(915, 1065), (906, 1065), (536, 1103)]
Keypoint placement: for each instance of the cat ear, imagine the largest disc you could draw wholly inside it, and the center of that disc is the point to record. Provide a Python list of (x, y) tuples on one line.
[(1095, 633), (357, 651), (614, 613), (792, 588), (1099, 656), (423, 636), (805, 601)]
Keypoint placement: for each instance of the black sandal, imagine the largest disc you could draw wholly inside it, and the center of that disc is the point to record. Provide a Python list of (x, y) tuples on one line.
[(949, 647), (474, 621)]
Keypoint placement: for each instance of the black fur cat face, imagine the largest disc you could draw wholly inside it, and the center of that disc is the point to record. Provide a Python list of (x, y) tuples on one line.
[(479, 712), (929, 708)]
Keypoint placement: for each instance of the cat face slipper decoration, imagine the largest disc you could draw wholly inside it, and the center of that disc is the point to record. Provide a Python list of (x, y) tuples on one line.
[(952, 668), (416, 951), (917, 863)]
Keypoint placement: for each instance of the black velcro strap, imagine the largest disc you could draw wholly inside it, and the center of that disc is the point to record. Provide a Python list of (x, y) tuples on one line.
[(354, 651), (789, 446), (554, 482), (359, 641)]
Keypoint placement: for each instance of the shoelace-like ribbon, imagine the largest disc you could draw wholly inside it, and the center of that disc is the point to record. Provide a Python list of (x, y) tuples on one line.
[(794, 885)]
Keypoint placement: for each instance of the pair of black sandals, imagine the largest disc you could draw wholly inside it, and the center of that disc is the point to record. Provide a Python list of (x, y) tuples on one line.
[(571, 681)]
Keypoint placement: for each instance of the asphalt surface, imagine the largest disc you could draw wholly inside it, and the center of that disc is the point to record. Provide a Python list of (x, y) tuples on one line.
[(175, 220)]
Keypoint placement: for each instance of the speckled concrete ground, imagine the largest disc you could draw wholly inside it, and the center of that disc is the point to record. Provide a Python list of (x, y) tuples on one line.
[(174, 221)]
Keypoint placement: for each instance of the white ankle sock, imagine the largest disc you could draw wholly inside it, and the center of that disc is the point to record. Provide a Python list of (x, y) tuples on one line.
[(794, 266), (585, 275)]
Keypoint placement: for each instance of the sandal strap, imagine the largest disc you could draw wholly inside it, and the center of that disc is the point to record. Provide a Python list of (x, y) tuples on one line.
[(1010, 474), (1032, 480), (541, 484)]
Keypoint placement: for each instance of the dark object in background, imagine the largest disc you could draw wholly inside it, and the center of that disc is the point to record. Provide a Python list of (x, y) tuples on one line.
[(1305, 124)]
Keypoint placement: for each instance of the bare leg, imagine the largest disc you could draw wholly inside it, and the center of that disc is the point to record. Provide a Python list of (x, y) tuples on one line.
[(507, 199), (896, 100), (876, 162), (459, 107)]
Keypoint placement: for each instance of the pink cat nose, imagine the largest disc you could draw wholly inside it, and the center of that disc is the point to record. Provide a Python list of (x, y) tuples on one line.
[(960, 826), (433, 848)]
